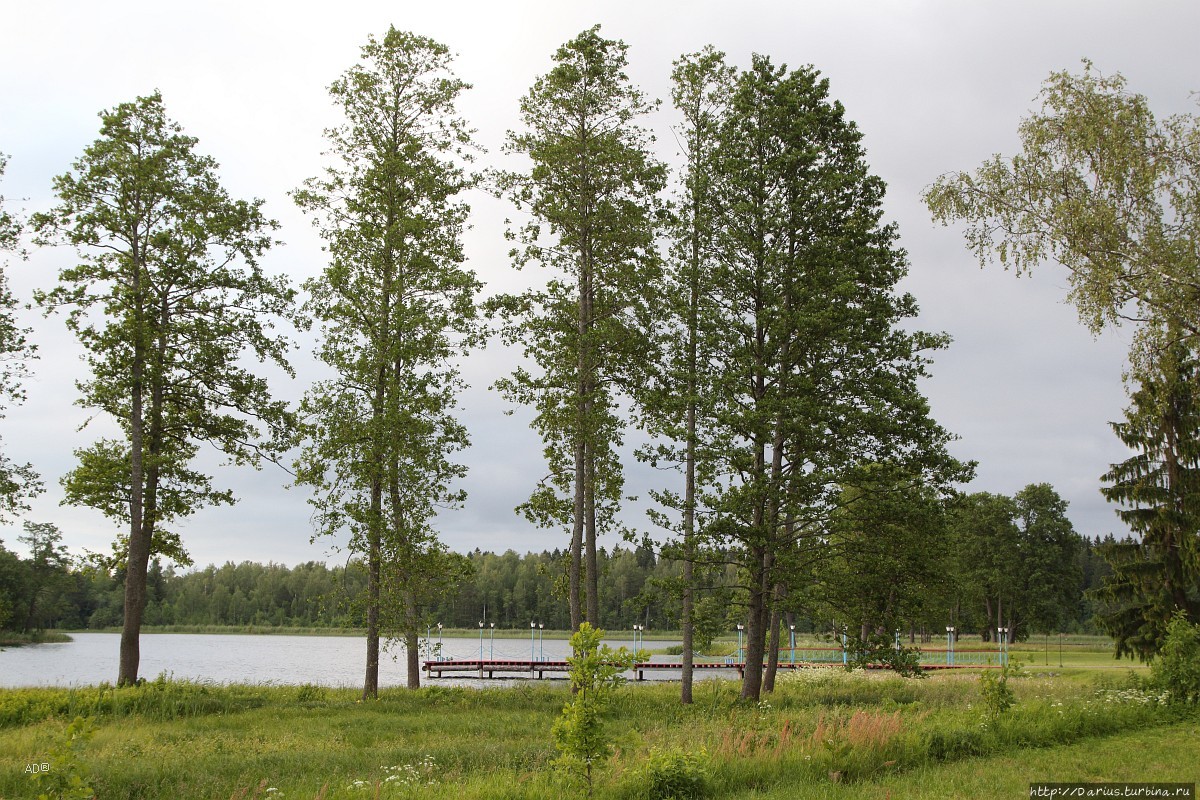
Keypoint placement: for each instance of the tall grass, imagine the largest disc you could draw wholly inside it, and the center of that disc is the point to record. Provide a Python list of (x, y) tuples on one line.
[(171, 739)]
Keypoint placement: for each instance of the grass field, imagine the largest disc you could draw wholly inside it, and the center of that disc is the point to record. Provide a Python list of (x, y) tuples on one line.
[(823, 733)]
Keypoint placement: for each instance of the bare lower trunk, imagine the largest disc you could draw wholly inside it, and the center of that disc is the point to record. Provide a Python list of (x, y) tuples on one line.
[(135, 606), (412, 647), (371, 678), (773, 648), (685, 691), (138, 560), (755, 629), (591, 562), (576, 566)]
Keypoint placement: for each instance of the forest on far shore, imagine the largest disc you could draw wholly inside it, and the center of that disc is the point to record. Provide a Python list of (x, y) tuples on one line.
[(1044, 577)]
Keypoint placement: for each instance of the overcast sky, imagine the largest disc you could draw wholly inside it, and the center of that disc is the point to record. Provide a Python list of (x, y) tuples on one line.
[(934, 86)]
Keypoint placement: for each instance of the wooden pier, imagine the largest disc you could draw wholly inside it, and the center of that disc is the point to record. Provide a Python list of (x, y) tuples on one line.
[(510, 668)]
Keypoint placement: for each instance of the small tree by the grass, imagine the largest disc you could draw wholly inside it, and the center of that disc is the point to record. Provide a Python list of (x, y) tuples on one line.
[(1176, 669), (596, 671)]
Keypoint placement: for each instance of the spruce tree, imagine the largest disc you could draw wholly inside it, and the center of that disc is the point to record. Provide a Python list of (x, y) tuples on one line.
[(1158, 574)]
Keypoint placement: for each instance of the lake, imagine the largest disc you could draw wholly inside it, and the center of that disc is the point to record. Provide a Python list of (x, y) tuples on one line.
[(327, 660)]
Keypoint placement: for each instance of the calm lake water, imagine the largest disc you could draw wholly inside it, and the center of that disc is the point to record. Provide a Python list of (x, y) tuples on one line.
[(327, 660)]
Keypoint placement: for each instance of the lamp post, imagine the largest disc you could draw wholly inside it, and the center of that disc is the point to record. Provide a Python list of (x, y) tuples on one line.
[(481, 640), (1002, 640), (541, 641), (950, 645), (740, 628), (492, 642), (532, 629), (792, 628)]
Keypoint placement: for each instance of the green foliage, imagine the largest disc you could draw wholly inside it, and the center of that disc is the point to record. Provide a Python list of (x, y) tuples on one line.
[(396, 308), (1157, 574), (590, 193), (579, 733), (813, 370), (1176, 668), (66, 779), (883, 649), (674, 774), (994, 691), (169, 302), (1014, 556), (18, 482), (1106, 190)]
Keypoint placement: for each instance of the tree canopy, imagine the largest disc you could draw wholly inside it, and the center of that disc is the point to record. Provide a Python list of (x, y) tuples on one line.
[(1106, 190), (166, 298)]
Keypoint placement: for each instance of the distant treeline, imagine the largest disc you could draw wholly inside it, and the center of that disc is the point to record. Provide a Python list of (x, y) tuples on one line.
[(47, 591)]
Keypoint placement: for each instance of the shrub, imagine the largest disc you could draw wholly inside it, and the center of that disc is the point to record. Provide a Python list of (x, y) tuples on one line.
[(675, 775), (997, 695), (579, 733), (65, 779), (1177, 667)]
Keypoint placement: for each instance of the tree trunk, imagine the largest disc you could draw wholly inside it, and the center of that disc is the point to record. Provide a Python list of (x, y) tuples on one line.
[(371, 679), (591, 561), (576, 564), (773, 649), (756, 627), (412, 646), (138, 559)]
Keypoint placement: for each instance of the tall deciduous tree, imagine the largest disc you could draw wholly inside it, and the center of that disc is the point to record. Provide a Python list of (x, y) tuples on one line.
[(889, 547), (813, 375), (1157, 575), (1106, 190), (167, 299), (396, 308), (591, 196), (672, 404), (18, 482), (1017, 561)]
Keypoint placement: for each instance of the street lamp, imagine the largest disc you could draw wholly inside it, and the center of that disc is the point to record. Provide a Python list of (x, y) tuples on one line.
[(481, 640), (950, 645), (541, 641), (1002, 640), (492, 642), (740, 628), (792, 628), (532, 629)]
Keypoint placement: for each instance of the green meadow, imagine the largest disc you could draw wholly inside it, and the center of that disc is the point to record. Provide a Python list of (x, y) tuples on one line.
[(823, 733)]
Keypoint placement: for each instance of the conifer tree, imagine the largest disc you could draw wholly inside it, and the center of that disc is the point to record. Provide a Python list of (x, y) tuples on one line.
[(1157, 574)]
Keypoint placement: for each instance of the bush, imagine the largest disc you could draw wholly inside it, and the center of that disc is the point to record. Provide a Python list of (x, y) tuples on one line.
[(1177, 668), (675, 775), (579, 732), (998, 696)]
